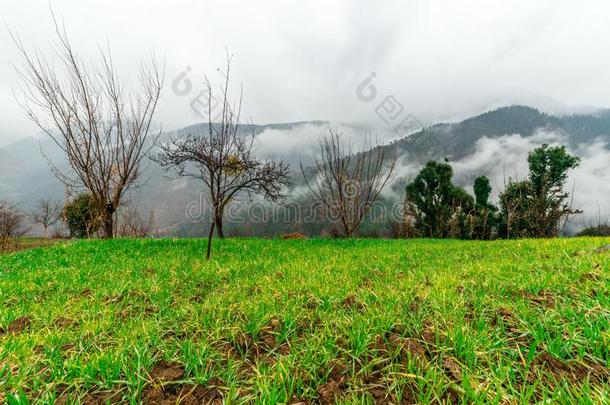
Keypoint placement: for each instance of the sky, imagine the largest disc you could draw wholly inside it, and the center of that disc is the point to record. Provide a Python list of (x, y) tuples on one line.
[(307, 60)]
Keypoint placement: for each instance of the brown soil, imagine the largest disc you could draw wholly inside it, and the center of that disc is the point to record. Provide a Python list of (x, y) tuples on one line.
[(63, 322), (328, 391), (429, 337), (92, 398), (575, 372), (103, 398), (67, 348), (589, 276), (289, 236), (352, 302), (167, 371), (184, 394), (18, 325), (266, 344), (453, 369), (17, 246), (544, 298)]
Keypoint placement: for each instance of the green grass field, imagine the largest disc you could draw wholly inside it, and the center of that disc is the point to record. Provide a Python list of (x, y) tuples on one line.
[(306, 321)]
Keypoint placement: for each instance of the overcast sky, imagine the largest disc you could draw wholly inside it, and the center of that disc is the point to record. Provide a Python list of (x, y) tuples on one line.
[(304, 60)]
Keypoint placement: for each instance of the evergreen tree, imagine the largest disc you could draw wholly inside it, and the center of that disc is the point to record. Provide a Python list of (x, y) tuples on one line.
[(538, 207)]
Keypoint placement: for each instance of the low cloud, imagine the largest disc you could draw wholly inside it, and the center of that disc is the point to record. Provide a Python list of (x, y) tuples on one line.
[(505, 158)]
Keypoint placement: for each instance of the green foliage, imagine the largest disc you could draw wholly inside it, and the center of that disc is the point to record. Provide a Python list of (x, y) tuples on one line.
[(432, 196), (82, 217), (272, 321), (443, 210), (599, 230), (537, 206), (482, 190), (485, 219), (549, 168)]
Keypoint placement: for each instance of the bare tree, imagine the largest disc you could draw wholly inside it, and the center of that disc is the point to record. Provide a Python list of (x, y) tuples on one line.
[(133, 224), (223, 159), (101, 124), (348, 183), (47, 213), (11, 223)]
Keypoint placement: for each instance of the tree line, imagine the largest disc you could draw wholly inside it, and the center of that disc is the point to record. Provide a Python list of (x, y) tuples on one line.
[(537, 207)]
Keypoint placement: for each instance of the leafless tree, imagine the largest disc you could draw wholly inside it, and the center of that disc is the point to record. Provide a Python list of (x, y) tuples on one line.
[(223, 158), (133, 224), (11, 223), (47, 213), (348, 183), (103, 126)]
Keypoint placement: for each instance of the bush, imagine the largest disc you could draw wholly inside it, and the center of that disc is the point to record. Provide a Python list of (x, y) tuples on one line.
[(81, 217), (11, 223), (599, 230)]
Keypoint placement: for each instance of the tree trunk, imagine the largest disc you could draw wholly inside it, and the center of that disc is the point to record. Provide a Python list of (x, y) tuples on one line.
[(210, 236), (108, 222), (218, 222)]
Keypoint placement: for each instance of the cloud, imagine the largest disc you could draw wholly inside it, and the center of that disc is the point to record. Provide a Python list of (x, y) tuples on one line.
[(303, 61), (301, 142)]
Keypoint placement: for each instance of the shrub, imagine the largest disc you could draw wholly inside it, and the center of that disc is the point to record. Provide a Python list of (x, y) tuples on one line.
[(81, 217), (11, 223), (599, 230)]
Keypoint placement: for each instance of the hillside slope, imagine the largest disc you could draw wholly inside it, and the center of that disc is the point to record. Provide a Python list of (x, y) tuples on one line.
[(272, 321)]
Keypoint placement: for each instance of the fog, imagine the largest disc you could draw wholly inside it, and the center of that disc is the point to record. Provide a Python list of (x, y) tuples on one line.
[(303, 61)]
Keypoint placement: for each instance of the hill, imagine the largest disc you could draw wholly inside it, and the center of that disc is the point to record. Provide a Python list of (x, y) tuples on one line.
[(495, 144), (306, 321)]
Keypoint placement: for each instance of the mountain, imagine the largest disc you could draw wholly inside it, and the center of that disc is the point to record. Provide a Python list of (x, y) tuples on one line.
[(493, 143), (457, 140)]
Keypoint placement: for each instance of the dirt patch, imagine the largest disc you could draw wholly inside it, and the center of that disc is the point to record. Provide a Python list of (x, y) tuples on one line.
[(453, 369), (91, 398), (167, 371), (19, 325), (451, 396), (289, 236), (184, 394), (429, 337), (265, 344), (379, 394), (63, 322), (113, 299), (589, 277), (352, 302), (414, 348), (18, 245), (67, 348), (329, 391), (575, 372), (103, 398), (87, 292), (544, 298), (408, 347)]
